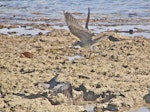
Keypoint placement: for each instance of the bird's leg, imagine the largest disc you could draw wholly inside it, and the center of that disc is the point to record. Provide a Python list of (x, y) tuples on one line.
[(92, 52)]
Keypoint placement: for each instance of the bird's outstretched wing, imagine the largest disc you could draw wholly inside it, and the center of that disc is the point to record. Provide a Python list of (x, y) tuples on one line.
[(82, 33)]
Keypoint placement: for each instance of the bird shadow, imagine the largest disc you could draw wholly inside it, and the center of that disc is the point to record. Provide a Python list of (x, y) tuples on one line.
[(31, 96), (38, 95)]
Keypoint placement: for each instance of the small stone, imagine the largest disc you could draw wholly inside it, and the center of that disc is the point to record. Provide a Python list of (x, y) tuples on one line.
[(104, 73), (84, 111), (97, 109), (125, 65), (98, 86), (11, 33), (92, 70), (114, 58), (54, 102), (26, 54), (112, 38), (24, 71), (83, 77), (40, 33), (147, 98), (131, 31), (104, 54), (111, 107), (107, 96)]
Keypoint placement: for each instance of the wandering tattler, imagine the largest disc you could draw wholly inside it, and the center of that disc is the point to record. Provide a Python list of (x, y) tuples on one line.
[(84, 34)]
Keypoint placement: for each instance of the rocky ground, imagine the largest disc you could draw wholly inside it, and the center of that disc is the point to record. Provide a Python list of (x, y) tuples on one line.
[(121, 68)]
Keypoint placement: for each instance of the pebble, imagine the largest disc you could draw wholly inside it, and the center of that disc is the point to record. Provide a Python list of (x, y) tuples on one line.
[(147, 98), (24, 71), (111, 107), (26, 54)]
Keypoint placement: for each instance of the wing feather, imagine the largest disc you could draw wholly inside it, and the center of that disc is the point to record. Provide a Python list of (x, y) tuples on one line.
[(82, 33)]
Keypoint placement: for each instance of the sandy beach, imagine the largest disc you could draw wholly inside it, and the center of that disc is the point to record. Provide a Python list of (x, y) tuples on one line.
[(121, 67), (36, 45)]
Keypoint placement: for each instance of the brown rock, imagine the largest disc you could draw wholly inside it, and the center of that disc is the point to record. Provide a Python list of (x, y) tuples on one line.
[(26, 54)]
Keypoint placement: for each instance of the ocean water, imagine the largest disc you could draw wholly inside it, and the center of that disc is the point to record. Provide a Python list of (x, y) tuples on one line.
[(44, 11), (12, 10)]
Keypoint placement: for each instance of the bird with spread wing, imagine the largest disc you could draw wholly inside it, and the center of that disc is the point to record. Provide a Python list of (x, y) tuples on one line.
[(84, 34), (76, 29)]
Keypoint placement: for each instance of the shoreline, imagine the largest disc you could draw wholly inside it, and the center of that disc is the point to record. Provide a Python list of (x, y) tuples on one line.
[(139, 26)]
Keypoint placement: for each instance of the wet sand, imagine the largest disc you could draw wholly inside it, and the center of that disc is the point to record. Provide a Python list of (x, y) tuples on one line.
[(122, 67)]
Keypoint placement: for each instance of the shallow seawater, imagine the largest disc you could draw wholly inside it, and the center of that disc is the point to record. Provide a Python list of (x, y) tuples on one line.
[(138, 30), (51, 12), (55, 8), (142, 109), (89, 108), (19, 31)]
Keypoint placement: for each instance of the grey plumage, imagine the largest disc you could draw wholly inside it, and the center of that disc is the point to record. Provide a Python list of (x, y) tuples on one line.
[(84, 34), (76, 29), (65, 88)]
